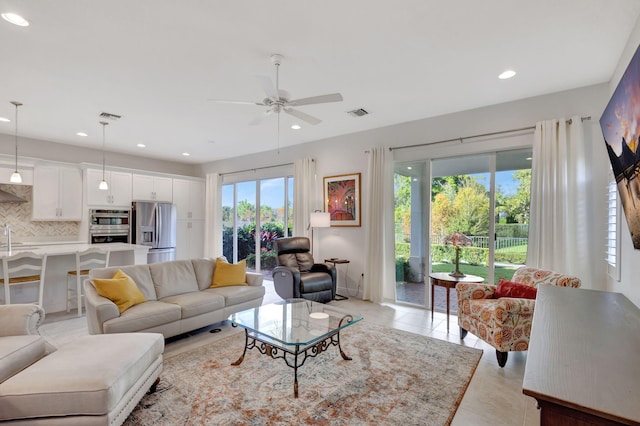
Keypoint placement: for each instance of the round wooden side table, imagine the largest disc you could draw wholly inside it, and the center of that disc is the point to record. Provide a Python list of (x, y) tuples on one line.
[(443, 279)]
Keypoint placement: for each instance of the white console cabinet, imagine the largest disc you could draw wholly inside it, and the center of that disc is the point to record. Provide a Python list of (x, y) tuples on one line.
[(152, 188), (57, 193), (118, 194)]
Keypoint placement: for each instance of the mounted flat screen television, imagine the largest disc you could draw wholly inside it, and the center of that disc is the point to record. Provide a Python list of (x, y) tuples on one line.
[(620, 124)]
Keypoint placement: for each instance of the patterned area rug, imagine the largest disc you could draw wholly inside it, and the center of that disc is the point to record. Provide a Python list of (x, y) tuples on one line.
[(395, 377)]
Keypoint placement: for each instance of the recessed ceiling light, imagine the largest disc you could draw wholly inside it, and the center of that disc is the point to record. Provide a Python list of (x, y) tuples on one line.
[(186, 154), (141, 145), (83, 134), (15, 19), (507, 74), (4, 120), (409, 168), (529, 158), (296, 127)]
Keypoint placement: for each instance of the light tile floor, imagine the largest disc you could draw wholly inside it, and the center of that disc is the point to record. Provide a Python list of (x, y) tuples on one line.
[(494, 396)]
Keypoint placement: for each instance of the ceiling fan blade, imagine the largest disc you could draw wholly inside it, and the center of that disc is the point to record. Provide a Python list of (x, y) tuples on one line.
[(228, 101), (302, 116), (259, 119), (268, 86), (322, 99)]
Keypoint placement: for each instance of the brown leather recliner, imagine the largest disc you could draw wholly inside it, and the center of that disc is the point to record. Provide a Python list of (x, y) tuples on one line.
[(298, 276)]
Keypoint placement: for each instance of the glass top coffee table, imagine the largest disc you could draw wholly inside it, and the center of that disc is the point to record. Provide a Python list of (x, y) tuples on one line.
[(294, 330)]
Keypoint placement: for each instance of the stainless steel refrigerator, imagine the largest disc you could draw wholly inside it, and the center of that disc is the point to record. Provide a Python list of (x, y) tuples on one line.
[(154, 225)]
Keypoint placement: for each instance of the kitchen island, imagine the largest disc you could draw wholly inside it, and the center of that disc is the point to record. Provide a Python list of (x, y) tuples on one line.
[(60, 260)]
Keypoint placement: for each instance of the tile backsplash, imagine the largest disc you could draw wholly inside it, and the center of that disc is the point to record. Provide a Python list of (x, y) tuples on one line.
[(18, 216)]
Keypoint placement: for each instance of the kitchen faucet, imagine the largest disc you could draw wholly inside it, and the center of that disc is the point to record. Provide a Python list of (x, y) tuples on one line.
[(7, 231)]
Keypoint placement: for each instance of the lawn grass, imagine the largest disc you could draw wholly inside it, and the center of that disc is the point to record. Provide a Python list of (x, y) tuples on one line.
[(505, 272)]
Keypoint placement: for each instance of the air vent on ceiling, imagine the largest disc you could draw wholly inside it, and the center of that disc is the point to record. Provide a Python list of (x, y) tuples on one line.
[(109, 116), (360, 112)]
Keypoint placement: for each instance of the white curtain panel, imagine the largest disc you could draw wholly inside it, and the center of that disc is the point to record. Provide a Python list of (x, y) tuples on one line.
[(559, 234), (379, 269), (304, 195), (213, 216)]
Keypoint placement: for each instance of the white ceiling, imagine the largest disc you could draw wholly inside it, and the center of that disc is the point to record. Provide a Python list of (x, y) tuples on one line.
[(156, 62)]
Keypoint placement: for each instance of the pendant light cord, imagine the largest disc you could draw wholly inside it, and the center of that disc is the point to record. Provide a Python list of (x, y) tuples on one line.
[(104, 124), (17, 104), (16, 137), (279, 106)]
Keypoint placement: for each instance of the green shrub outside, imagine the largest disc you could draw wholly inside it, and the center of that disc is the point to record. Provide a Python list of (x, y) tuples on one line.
[(267, 260)]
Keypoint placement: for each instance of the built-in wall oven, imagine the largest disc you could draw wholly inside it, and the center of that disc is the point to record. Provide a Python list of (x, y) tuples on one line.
[(109, 226)]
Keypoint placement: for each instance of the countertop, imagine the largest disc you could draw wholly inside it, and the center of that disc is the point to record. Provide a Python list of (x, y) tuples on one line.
[(61, 249)]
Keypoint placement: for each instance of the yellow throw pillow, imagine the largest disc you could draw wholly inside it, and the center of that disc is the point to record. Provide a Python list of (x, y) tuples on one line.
[(227, 274), (121, 290)]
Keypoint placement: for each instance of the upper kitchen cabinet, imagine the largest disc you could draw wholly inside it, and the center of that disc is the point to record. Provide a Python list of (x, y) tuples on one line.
[(7, 170), (188, 196), (118, 194), (152, 188), (57, 193)]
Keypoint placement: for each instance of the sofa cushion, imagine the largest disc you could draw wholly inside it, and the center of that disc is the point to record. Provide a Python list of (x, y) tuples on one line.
[(19, 352), (237, 295), (142, 317), (175, 277), (140, 274), (120, 289), (227, 274), (510, 289), (89, 376), (204, 272), (196, 303)]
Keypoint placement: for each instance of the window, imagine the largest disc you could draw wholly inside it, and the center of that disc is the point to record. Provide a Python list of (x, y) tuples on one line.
[(613, 231), (264, 204)]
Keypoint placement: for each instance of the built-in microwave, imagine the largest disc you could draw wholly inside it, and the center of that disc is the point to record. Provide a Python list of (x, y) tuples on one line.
[(109, 226)]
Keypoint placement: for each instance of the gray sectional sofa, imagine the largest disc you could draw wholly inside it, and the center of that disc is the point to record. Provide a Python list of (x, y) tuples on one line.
[(179, 298)]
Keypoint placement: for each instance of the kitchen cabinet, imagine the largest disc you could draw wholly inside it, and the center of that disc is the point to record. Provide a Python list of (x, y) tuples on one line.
[(188, 196), (152, 188), (118, 194), (57, 193), (6, 171), (190, 239)]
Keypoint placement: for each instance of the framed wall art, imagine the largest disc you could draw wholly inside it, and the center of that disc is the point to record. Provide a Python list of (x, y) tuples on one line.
[(619, 124), (342, 199)]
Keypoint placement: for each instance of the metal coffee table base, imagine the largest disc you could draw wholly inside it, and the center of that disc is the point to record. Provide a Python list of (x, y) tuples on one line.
[(291, 357)]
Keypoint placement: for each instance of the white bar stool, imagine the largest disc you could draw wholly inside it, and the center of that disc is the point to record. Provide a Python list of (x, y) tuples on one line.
[(23, 268), (85, 261)]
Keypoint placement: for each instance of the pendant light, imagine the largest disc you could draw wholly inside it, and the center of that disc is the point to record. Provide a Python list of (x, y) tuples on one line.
[(15, 176), (104, 186)]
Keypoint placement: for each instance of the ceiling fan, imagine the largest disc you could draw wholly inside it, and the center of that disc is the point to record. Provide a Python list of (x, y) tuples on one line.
[(278, 100)]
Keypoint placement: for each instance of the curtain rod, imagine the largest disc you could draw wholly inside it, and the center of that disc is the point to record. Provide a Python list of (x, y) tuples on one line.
[(462, 138), (257, 168)]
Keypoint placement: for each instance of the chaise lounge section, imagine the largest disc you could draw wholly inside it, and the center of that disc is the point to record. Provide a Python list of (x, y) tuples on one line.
[(93, 380)]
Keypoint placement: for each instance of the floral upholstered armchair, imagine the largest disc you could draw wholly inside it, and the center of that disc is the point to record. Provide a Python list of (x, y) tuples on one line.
[(501, 315)]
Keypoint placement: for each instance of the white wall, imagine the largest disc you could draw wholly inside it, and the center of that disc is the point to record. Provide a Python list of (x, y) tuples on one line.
[(629, 284), (52, 151), (346, 154)]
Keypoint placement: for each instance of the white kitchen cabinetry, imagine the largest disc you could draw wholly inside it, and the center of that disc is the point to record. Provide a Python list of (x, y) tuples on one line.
[(118, 194), (188, 196), (57, 193), (152, 188), (190, 239), (7, 170)]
